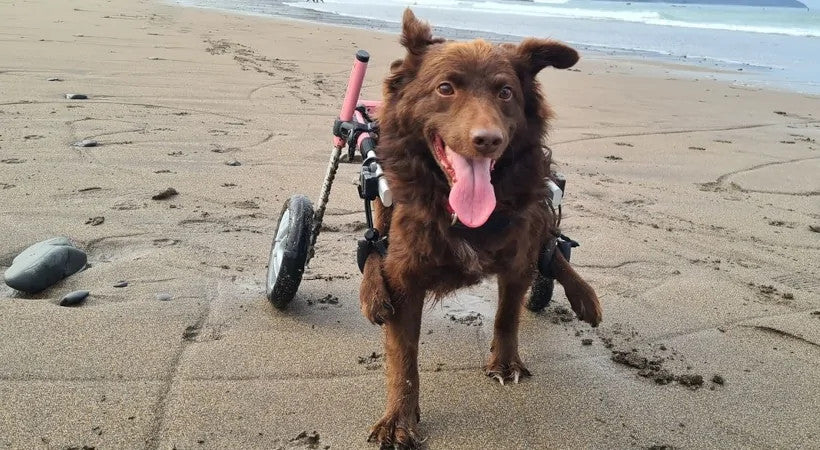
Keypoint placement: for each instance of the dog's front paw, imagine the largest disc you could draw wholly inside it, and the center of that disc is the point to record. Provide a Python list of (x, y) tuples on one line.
[(587, 308), (506, 369), (396, 431)]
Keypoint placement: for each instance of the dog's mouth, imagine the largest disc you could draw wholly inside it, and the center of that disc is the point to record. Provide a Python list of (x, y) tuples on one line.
[(472, 197)]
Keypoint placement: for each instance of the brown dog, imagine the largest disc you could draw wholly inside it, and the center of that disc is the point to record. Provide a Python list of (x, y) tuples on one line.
[(462, 126)]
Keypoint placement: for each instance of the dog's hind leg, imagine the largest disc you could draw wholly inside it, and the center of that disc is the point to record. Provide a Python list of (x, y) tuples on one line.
[(580, 294), (505, 363), (401, 342)]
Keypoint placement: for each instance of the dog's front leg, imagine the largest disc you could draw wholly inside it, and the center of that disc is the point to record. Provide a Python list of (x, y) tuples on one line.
[(401, 343), (580, 294), (374, 296), (505, 363)]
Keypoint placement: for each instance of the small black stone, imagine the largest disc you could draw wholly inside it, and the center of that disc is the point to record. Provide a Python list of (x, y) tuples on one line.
[(121, 284), (94, 221), (586, 341), (86, 143), (717, 379), (76, 96), (73, 298)]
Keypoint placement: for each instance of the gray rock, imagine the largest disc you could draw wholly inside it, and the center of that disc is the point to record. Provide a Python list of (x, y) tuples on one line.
[(73, 298), (76, 96), (86, 143), (121, 284), (54, 79), (44, 264), (164, 297), (233, 162)]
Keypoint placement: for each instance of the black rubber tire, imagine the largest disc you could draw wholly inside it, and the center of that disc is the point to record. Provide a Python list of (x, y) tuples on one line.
[(541, 293), (281, 287)]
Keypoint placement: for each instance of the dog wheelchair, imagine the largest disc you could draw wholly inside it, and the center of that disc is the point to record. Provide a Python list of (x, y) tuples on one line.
[(299, 224)]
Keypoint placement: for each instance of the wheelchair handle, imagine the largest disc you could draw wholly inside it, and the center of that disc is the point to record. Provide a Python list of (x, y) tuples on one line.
[(354, 89)]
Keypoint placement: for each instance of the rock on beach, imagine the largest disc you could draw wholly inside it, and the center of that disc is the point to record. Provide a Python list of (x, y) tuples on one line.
[(44, 264)]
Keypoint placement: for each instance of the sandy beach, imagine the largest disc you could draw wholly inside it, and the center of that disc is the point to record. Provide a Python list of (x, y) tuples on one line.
[(696, 203)]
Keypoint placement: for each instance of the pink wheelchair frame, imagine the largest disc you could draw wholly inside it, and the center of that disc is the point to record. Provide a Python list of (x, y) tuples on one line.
[(356, 129)]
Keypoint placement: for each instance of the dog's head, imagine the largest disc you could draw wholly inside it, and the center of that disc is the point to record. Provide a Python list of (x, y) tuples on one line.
[(468, 101)]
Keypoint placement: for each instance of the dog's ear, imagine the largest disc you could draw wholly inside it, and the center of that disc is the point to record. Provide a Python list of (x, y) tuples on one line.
[(536, 54), (416, 35)]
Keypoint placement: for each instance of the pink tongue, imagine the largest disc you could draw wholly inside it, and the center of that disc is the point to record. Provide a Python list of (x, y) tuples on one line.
[(472, 196)]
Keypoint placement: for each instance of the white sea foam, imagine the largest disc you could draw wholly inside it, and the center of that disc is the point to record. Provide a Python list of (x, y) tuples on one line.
[(807, 32), (662, 15)]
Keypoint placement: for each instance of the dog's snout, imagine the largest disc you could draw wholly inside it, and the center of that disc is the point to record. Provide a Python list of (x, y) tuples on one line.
[(486, 140)]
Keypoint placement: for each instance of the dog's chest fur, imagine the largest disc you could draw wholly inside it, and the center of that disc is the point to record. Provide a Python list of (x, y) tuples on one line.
[(461, 257)]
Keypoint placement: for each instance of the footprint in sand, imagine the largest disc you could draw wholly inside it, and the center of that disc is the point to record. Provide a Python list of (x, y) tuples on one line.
[(119, 248), (246, 204), (165, 242)]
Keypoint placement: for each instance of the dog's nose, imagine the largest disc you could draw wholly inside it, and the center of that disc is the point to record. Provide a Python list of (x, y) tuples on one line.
[(486, 140)]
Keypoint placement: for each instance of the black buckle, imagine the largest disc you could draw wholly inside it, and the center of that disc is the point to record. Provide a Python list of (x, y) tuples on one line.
[(564, 244), (350, 130), (368, 180), (369, 191), (371, 242)]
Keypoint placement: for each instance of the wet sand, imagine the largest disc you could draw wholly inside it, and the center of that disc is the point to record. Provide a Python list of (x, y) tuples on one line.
[(695, 202)]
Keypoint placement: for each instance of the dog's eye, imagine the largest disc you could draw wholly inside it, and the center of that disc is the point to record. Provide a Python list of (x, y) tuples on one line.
[(446, 89), (505, 93)]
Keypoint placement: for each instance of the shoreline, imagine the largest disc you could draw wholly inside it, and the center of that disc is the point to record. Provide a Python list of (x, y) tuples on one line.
[(730, 72)]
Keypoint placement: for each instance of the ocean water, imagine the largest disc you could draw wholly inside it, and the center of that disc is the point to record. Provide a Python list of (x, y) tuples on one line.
[(769, 46)]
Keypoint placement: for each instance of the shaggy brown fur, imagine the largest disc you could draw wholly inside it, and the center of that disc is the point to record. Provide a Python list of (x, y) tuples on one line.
[(492, 107)]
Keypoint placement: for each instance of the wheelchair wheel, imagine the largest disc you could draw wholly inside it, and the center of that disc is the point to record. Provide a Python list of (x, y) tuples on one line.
[(541, 293), (289, 250)]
